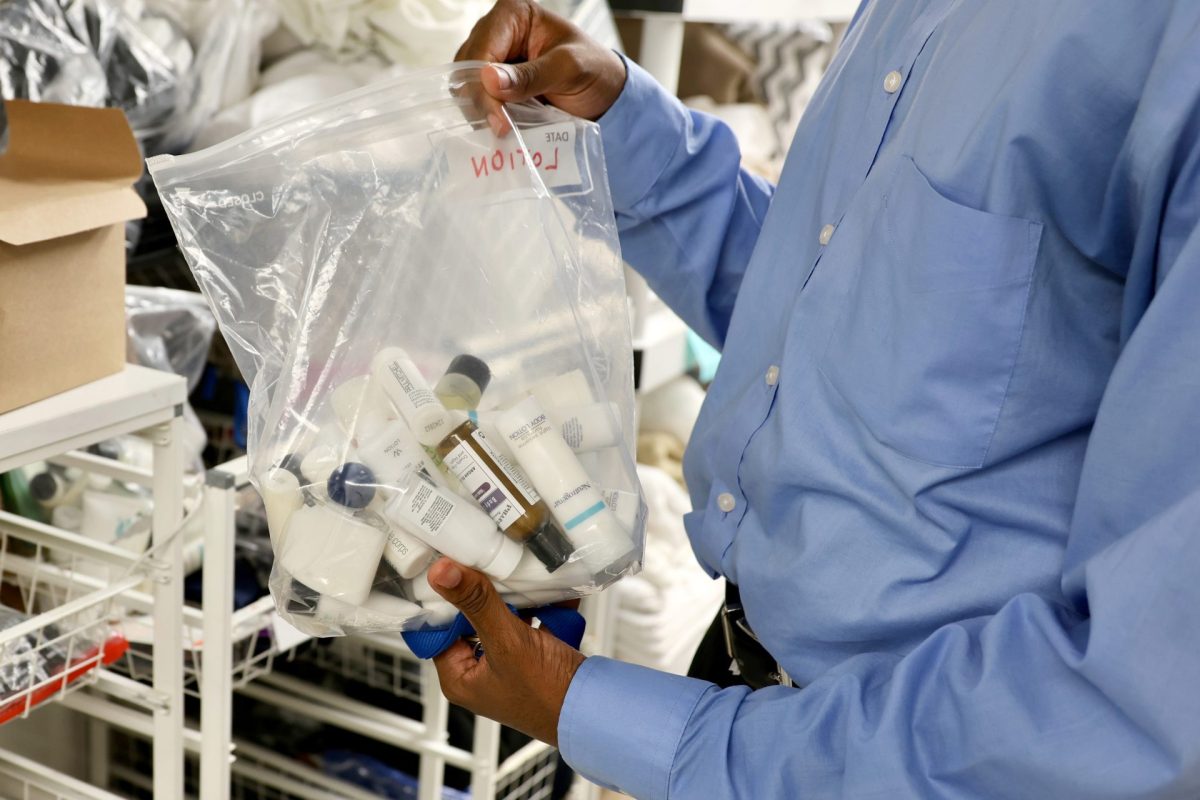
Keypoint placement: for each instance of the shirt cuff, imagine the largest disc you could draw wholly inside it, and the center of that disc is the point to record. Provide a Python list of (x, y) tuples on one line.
[(641, 133), (621, 725)]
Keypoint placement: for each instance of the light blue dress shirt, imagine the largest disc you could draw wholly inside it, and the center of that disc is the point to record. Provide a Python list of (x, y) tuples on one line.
[(952, 453)]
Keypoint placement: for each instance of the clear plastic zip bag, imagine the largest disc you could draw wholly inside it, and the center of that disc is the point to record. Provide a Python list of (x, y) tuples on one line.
[(434, 326)]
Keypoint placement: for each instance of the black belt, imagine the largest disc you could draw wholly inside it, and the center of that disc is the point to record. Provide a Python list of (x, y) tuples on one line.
[(748, 658)]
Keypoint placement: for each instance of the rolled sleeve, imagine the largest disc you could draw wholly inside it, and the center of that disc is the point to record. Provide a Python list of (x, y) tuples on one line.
[(641, 133), (621, 725)]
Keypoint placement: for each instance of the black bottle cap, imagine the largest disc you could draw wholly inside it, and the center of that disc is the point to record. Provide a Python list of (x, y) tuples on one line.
[(551, 547), (43, 486), (352, 485), (474, 368)]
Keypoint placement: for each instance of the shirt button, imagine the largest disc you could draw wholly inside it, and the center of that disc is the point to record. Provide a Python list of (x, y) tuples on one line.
[(772, 375), (725, 502), (892, 81), (826, 235)]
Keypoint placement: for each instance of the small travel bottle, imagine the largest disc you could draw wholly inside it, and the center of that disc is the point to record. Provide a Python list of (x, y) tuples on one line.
[(556, 472), (406, 387), (572, 408), (329, 549), (394, 452), (281, 495), (56, 486), (452, 527), (463, 384), (501, 489), (355, 486)]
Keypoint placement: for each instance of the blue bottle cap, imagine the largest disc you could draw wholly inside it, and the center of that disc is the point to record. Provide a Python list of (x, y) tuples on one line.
[(352, 485)]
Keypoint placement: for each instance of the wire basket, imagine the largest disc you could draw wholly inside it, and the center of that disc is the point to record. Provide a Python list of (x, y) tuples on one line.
[(373, 661), (58, 621), (255, 650), (528, 774)]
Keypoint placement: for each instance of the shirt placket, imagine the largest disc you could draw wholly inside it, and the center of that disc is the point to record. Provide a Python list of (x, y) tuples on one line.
[(727, 505)]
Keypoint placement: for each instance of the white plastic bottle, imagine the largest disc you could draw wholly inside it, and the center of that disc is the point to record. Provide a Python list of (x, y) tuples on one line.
[(332, 551), (409, 392), (584, 423), (453, 527), (565, 486), (393, 453), (282, 495)]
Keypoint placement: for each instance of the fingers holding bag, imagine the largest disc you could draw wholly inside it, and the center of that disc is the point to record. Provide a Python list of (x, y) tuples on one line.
[(536, 53)]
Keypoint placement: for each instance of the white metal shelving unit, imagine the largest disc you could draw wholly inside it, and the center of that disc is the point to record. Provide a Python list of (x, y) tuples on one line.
[(57, 570)]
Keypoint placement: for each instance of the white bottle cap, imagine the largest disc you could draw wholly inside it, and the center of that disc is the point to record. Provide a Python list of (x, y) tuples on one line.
[(505, 560), (569, 389), (281, 496)]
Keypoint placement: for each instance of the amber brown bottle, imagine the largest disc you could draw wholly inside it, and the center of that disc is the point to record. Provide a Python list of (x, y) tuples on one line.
[(504, 492)]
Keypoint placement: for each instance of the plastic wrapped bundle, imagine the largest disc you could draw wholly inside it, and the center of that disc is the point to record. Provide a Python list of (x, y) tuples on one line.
[(433, 323)]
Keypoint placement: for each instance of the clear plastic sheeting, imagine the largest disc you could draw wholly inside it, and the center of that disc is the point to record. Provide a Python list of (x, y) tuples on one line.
[(433, 323), (94, 53), (171, 330)]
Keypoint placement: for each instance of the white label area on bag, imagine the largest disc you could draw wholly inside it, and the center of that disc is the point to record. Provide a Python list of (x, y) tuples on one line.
[(484, 486), (481, 159)]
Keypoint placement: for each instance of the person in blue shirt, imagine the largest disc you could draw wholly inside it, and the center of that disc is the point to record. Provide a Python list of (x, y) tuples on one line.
[(951, 457)]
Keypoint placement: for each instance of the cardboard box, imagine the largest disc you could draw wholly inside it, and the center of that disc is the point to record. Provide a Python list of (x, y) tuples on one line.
[(66, 190)]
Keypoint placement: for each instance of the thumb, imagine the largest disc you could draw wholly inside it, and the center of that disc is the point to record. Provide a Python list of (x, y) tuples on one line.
[(513, 83), (472, 593)]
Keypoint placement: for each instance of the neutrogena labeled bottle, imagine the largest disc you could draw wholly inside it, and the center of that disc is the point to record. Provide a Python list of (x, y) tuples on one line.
[(555, 470)]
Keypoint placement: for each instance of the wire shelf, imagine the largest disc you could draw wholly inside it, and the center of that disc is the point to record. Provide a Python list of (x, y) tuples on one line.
[(255, 650), (528, 774), (58, 621), (27, 779), (373, 661)]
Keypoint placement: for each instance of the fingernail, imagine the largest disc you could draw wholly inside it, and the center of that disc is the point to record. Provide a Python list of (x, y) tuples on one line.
[(494, 122), (449, 577), (506, 76)]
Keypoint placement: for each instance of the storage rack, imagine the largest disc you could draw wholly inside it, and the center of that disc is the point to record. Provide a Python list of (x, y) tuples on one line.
[(221, 651), (57, 569)]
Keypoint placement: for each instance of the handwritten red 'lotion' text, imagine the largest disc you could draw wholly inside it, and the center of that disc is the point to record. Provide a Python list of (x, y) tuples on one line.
[(544, 157)]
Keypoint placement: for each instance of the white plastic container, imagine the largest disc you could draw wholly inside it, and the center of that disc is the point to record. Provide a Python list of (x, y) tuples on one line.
[(332, 552), (602, 544), (452, 526)]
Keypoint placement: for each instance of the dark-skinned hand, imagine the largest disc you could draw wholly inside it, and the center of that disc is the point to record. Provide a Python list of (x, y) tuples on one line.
[(535, 53), (522, 679)]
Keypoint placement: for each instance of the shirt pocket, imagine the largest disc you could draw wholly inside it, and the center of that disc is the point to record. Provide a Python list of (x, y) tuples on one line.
[(926, 341)]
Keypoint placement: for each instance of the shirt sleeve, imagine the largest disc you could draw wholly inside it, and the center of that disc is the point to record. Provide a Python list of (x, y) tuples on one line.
[(676, 177), (1096, 698)]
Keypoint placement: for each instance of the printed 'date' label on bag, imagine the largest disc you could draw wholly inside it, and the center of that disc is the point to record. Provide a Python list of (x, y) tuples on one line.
[(482, 160)]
